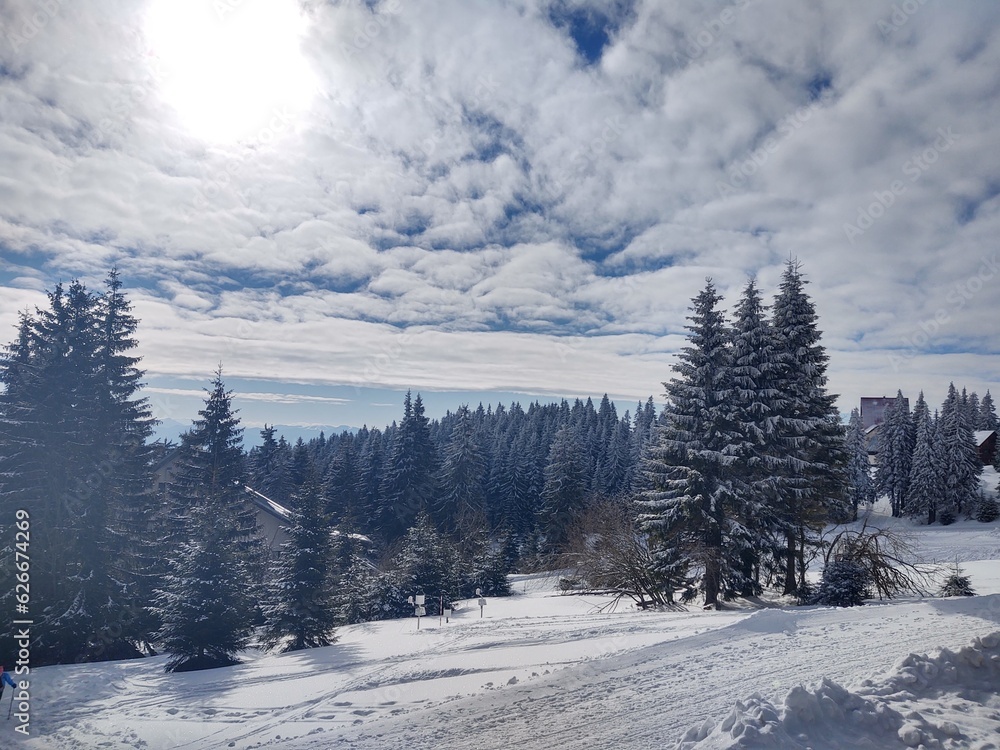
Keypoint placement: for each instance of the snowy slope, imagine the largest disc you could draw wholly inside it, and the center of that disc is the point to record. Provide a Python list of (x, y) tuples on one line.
[(541, 670)]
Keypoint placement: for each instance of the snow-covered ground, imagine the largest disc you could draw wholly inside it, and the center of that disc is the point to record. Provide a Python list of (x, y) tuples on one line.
[(544, 670)]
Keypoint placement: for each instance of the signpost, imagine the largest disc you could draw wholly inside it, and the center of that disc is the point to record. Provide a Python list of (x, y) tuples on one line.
[(482, 601), (418, 607)]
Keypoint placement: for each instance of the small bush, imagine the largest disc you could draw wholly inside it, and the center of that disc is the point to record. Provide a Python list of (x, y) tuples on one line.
[(844, 584), (947, 517), (805, 593), (988, 510), (957, 584)]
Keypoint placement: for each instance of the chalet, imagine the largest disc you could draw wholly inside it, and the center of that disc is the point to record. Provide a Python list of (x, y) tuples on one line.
[(986, 442), (873, 410), (273, 518), (872, 416)]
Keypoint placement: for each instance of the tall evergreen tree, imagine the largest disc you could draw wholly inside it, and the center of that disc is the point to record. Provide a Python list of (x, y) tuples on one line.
[(895, 456), (267, 470), (300, 467), (343, 498), (811, 484), (962, 465), (409, 483), (687, 508), (987, 419), (124, 552), (565, 487), (759, 448), (462, 504), (73, 454), (217, 526), (927, 481), (301, 611), (861, 486)]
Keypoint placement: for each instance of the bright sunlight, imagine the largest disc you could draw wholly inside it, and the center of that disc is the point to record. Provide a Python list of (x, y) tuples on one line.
[(233, 69)]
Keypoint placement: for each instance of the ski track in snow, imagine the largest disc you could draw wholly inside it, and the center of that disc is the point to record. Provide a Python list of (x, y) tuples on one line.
[(649, 698)]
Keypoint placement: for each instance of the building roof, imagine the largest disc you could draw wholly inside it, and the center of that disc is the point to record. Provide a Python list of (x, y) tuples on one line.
[(268, 505), (284, 515), (983, 435)]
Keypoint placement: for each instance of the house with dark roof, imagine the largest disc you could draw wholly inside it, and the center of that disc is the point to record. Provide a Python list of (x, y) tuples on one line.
[(986, 442), (873, 410)]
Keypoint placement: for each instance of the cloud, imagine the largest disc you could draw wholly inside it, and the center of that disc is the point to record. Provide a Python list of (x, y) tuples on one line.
[(495, 184), (276, 398)]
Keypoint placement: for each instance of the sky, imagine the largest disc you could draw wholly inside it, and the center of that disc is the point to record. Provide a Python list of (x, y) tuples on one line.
[(489, 201)]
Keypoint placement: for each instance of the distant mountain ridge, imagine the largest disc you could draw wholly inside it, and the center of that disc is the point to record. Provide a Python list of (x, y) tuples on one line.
[(171, 429)]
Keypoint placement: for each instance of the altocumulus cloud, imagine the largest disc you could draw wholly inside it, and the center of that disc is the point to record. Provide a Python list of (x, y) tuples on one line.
[(521, 195)]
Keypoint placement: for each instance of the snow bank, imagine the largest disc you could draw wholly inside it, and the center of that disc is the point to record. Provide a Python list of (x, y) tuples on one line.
[(946, 701)]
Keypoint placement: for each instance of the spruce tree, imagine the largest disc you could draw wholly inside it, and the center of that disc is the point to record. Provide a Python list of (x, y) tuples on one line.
[(215, 525), (962, 465), (301, 610), (343, 501), (895, 456), (73, 454), (409, 483), (462, 502), (124, 552), (206, 618), (428, 564), (267, 467), (759, 448), (686, 510), (861, 487), (926, 487), (298, 469), (811, 483), (987, 418), (565, 488)]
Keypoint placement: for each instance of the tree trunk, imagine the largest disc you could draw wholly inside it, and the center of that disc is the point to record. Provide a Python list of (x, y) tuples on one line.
[(711, 586), (802, 556), (790, 563)]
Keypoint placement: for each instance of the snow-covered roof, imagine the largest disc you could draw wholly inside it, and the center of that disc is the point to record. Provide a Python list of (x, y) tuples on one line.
[(284, 515), (983, 435), (263, 501)]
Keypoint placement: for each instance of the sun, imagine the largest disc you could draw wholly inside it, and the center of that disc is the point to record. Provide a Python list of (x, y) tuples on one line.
[(232, 69)]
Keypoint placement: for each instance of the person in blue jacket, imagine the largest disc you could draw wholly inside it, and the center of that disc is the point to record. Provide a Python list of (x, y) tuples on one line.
[(5, 678)]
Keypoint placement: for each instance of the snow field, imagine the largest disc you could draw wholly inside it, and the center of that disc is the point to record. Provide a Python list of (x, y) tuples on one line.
[(544, 670)]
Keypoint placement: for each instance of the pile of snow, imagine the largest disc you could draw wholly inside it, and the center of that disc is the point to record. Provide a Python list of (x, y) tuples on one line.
[(949, 700)]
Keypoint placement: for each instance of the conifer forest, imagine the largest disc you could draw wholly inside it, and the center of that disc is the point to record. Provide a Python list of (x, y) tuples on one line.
[(719, 486)]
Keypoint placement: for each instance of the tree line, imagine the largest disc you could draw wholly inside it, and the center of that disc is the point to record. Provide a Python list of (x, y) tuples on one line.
[(929, 464), (724, 492), (449, 506)]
